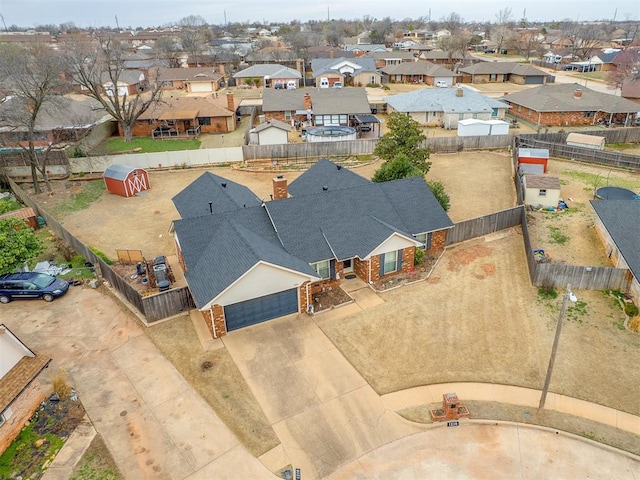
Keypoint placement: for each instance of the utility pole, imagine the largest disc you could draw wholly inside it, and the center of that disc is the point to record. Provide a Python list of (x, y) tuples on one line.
[(554, 350)]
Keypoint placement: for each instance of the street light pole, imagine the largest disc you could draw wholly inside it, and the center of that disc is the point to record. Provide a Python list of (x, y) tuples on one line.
[(554, 349)]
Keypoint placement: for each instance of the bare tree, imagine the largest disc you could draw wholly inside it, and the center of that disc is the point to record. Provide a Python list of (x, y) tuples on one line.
[(452, 22), (502, 29), (194, 35), (528, 43), (585, 39), (34, 76), (99, 68)]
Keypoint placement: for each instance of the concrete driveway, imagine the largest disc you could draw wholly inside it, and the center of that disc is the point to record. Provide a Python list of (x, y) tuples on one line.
[(323, 411), (154, 424)]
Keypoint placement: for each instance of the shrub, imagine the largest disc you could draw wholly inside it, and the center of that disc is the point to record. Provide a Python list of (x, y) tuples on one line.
[(60, 385), (419, 256), (547, 291), (104, 258), (630, 309)]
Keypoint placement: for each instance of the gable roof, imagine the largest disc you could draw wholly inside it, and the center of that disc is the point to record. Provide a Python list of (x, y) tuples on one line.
[(514, 68), (541, 181), (350, 100), (560, 98), (271, 70), (322, 66), (443, 100), (324, 173), (418, 68), (194, 106), (196, 74), (621, 218), (273, 123), (119, 172), (224, 195)]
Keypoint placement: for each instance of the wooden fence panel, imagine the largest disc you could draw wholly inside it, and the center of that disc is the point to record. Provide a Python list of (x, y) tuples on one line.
[(167, 304), (478, 227), (582, 277)]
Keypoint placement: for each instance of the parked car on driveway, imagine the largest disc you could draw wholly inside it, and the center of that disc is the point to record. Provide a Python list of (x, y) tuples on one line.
[(31, 285)]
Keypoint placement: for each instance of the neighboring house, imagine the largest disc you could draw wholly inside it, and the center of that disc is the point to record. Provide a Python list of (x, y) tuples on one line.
[(386, 59), (446, 106), (326, 51), (192, 80), (359, 49), (20, 391), (63, 119), (187, 117), (269, 75), (498, 72), (419, 72), (604, 60), (262, 260), (130, 82), (568, 105), (356, 72), (541, 191), (272, 132), (616, 225), (440, 57), (316, 107), (631, 88)]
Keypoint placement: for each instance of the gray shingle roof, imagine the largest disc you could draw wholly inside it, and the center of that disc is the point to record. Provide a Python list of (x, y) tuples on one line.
[(485, 68), (273, 123), (621, 219), (443, 100), (560, 98), (224, 194), (325, 173), (321, 66), (272, 70), (350, 100)]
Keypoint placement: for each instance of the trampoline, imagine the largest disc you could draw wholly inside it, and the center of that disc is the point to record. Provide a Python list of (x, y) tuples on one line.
[(616, 193)]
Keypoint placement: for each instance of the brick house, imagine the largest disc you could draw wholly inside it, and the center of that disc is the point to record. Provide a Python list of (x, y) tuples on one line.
[(355, 72), (192, 80), (569, 105), (20, 391), (419, 72), (187, 117), (396, 57), (247, 261), (499, 72), (323, 106), (267, 75)]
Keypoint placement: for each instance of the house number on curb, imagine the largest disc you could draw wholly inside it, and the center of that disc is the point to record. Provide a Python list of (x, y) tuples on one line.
[(453, 424)]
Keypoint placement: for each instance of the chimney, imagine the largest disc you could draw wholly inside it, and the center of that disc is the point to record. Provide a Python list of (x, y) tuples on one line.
[(280, 190), (307, 101), (221, 69), (577, 93), (230, 105), (459, 92)]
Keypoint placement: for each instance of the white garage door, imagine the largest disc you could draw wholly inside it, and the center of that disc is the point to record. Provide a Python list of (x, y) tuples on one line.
[(199, 87)]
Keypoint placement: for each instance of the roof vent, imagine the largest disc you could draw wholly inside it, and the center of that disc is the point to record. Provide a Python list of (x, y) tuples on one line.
[(339, 167), (279, 177), (224, 184), (325, 188), (210, 207)]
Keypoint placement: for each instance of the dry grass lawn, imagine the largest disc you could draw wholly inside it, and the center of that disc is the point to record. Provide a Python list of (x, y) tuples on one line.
[(216, 378)]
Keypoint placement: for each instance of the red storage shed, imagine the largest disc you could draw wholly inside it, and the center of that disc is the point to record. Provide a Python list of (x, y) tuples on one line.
[(126, 181), (533, 160)]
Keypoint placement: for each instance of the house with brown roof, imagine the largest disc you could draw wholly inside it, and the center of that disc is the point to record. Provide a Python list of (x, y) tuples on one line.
[(631, 88), (419, 72), (499, 72), (387, 59), (441, 57), (570, 104), (20, 391), (187, 117), (192, 80)]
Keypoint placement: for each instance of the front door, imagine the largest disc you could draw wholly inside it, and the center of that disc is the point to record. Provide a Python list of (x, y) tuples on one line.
[(347, 266)]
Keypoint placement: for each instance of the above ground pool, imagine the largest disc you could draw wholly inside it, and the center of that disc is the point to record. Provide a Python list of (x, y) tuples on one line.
[(330, 134), (616, 193)]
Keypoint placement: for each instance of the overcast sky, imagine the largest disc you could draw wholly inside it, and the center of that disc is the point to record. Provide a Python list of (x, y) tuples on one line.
[(146, 13)]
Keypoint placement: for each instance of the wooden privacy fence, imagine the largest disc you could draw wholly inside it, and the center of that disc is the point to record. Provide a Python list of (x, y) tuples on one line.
[(153, 307), (582, 278), (307, 150), (611, 135), (589, 155), (480, 226)]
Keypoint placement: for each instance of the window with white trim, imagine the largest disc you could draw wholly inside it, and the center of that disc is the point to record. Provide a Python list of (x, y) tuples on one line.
[(425, 240), (287, 114), (390, 262), (542, 193), (323, 268)]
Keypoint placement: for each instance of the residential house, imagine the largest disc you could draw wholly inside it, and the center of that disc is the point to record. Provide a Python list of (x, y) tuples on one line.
[(387, 59), (440, 57), (20, 390), (616, 225), (63, 119), (356, 72), (187, 117), (359, 49), (247, 261), (316, 107), (271, 132), (569, 105), (130, 82), (446, 106), (192, 80), (498, 72), (631, 89), (603, 60), (419, 72), (269, 75), (327, 51)]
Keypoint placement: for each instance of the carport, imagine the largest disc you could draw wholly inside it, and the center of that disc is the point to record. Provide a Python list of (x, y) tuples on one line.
[(261, 309)]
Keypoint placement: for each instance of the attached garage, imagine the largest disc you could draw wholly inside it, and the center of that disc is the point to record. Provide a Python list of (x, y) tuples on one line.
[(200, 87), (261, 309)]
